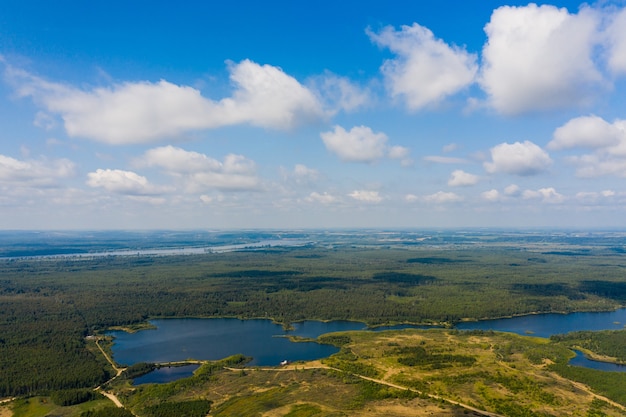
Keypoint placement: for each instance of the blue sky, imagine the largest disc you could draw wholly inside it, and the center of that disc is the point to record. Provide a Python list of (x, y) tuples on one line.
[(283, 114)]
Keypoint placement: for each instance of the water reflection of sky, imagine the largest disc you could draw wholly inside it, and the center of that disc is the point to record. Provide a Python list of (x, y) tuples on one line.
[(213, 339), (265, 341), (546, 325), (166, 374), (581, 360)]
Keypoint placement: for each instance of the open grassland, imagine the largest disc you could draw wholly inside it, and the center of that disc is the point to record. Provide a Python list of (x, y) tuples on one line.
[(503, 373), (44, 406)]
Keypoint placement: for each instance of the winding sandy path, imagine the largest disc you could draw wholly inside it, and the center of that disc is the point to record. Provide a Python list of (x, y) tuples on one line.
[(111, 397), (118, 371)]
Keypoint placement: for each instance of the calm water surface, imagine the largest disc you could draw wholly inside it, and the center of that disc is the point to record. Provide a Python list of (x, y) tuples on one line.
[(546, 325), (581, 360), (212, 339), (268, 345), (167, 374)]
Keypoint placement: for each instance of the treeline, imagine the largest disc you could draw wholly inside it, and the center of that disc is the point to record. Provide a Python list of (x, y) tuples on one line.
[(610, 384), (606, 343), (74, 396), (138, 369), (43, 348)]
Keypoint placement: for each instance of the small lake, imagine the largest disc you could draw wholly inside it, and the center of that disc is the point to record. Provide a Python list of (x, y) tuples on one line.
[(268, 344), (166, 374), (581, 360)]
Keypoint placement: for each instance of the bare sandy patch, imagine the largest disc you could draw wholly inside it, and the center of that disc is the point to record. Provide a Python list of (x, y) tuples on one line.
[(5, 411)]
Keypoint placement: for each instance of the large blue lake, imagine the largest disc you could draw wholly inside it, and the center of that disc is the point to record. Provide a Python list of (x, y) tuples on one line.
[(212, 339), (268, 345)]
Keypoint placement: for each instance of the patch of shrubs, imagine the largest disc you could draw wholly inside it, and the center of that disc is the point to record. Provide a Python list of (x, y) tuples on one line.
[(73, 396)]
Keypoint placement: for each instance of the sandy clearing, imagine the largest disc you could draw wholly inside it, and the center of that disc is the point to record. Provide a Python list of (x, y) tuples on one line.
[(5, 411)]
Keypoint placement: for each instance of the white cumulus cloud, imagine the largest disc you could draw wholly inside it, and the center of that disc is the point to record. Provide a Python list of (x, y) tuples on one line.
[(300, 176), (606, 141), (426, 69), (340, 93), (588, 132), (546, 195), (197, 171), (401, 153), (366, 196), (593, 197), (442, 197), (539, 57), (361, 144), (121, 182), (519, 158), (142, 112), (267, 97), (598, 165), (322, 198), (491, 195), (512, 190), (616, 33), (444, 159), (398, 152), (302, 172), (42, 172), (460, 178)]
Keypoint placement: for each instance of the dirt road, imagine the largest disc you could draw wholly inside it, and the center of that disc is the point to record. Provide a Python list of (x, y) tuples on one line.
[(118, 372)]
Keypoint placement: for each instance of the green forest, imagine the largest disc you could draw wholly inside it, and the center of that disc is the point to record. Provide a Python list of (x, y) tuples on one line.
[(48, 306)]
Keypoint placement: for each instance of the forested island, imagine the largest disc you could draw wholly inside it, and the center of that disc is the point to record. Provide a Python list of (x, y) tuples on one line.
[(57, 299)]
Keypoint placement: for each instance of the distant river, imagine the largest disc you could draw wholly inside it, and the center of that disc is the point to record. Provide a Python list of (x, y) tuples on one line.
[(191, 250)]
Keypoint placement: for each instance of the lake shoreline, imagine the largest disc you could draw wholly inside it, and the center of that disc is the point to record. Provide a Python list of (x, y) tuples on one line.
[(146, 325)]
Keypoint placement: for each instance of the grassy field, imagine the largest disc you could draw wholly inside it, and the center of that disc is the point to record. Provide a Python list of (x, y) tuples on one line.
[(43, 406)]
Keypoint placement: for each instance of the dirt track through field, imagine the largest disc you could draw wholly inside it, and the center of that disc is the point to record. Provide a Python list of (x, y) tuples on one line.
[(319, 365)]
